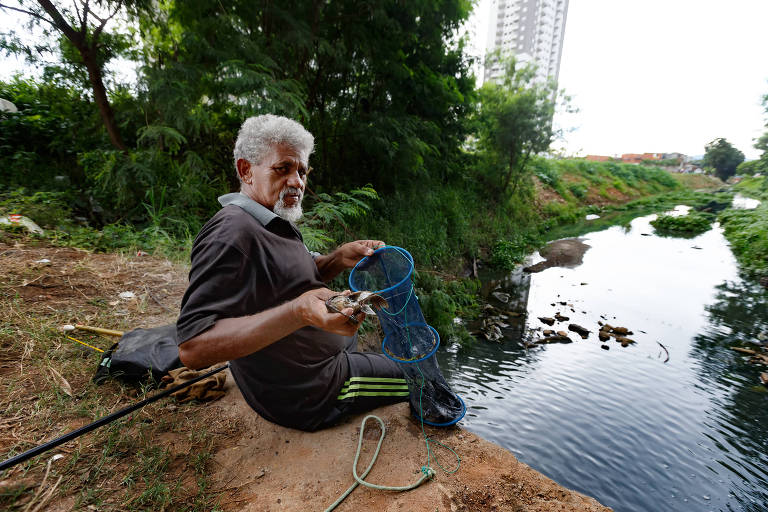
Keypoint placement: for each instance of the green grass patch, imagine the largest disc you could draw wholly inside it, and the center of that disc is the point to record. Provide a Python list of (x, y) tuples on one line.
[(684, 225), (747, 230)]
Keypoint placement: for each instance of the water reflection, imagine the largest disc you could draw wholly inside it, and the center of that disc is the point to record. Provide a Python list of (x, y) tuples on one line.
[(621, 425), (738, 425)]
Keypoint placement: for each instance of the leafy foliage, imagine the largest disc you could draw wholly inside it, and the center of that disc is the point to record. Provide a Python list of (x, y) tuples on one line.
[(723, 158), (507, 254), (514, 122), (691, 224), (329, 216)]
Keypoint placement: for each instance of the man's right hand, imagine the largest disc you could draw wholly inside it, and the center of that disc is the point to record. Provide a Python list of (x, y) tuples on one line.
[(232, 338), (311, 309)]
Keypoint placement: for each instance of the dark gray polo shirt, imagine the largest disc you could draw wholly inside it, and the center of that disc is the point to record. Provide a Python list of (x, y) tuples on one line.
[(247, 259)]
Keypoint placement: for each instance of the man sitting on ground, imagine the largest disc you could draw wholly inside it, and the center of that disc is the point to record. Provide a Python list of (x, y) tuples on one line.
[(256, 295)]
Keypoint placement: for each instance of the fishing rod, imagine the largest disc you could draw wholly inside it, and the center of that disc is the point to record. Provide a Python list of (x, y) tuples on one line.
[(101, 422)]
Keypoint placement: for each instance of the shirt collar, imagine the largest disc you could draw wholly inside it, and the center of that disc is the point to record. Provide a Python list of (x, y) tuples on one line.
[(258, 211)]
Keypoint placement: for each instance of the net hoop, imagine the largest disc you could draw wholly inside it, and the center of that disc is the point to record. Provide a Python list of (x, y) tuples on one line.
[(363, 261), (447, 423), (409, 361)]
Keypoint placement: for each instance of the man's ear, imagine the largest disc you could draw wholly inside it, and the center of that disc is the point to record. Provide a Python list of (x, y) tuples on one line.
[(244, 170)]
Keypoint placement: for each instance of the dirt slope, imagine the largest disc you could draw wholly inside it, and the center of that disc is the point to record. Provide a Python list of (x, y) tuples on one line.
[(272, 468), (218, 455)]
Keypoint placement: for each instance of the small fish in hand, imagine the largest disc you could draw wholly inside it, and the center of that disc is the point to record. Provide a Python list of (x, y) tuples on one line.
[(362, 301)]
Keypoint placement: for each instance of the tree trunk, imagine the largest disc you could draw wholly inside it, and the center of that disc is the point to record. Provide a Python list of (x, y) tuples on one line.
[(100, 97), (88, 52)]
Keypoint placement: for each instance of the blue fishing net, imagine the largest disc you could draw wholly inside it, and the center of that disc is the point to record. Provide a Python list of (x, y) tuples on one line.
[(408, 339)]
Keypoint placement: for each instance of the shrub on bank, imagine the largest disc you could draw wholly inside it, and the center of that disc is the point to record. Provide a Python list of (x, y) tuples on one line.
[(685, 225)]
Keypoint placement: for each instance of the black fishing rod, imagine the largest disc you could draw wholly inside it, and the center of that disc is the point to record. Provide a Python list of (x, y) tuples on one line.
[(101, 422)]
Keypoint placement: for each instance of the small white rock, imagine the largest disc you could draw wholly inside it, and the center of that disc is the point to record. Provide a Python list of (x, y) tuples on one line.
[(127, 295)]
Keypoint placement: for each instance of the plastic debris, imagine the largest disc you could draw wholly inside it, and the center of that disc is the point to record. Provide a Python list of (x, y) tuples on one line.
[(22, 221), (127, 295)]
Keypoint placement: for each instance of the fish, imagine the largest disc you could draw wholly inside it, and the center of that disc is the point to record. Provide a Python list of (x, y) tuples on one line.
[(362, 301)]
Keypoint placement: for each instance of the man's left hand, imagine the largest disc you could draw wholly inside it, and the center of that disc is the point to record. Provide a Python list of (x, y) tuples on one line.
[(349, 254), (346, 256)]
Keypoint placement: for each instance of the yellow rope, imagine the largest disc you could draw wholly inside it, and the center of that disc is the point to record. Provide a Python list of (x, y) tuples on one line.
[(87, 345)]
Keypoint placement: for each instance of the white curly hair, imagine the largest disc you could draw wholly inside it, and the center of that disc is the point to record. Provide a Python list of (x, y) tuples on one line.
[(259, 133)]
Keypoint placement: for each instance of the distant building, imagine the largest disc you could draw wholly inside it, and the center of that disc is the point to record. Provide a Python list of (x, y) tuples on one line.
[(674, 156), (598, 158), (532, 31), (638, 158)]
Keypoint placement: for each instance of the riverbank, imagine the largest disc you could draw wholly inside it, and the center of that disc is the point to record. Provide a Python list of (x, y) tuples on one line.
[(212, 456), (747, 229)]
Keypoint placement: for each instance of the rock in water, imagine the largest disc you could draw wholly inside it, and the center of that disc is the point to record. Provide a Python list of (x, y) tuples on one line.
[(581, 331), (501, 296), (547, 320)]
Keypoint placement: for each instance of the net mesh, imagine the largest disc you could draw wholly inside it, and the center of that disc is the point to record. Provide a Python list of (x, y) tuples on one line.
[(408, 339)]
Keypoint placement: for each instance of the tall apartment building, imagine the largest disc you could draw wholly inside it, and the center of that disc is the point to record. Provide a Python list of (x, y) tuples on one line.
[(532, 30)]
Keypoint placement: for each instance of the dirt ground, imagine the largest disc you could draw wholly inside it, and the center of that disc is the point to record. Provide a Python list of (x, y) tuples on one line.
[(196, 456)]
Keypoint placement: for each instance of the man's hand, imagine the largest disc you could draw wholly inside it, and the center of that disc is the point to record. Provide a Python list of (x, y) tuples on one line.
[(311, 308), (232, 338), (345, 257), (349, 254)]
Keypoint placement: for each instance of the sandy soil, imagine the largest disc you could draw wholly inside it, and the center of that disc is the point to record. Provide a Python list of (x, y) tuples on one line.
[(272, 468)]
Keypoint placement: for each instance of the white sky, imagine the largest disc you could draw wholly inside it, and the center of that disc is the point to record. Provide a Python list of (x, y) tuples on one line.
[(647, 76), (660, 75)]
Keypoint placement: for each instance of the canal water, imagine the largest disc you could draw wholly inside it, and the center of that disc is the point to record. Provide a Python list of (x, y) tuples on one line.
[(678, 427)]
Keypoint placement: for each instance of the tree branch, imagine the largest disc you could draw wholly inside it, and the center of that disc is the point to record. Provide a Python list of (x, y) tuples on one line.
[(60, 23), (79, 17), (86, 10), (104, 21)]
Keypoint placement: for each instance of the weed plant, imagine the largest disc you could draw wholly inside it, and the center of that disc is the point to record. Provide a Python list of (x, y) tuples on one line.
[(692, 224), (747, 230)]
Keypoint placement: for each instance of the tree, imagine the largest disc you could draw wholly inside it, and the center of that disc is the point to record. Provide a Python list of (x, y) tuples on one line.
[(514, 122), (82, 26), (722, 157), (762, 144)]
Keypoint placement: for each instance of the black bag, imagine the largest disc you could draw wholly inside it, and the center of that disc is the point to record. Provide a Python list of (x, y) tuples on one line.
[(139, 354)]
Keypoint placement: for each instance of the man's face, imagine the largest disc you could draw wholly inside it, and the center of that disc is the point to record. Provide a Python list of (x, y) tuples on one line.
[(278, 181)]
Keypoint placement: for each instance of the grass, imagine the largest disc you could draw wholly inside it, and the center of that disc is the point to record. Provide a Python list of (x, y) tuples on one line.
[(154, 459), (747, 230)]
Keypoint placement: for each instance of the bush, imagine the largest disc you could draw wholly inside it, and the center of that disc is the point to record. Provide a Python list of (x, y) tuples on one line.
[(747, 232), (47, 209), (692, 224), (507, 254)]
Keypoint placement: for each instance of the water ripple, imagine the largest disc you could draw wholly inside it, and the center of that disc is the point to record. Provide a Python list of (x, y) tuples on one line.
[(621, 425)]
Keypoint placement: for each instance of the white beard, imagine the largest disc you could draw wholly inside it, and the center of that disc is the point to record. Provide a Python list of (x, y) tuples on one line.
[(289, 213)]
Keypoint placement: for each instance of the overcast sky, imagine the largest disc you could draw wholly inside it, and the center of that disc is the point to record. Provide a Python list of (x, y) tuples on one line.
[(650, 75), (661, 75)]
